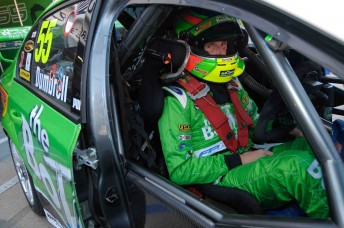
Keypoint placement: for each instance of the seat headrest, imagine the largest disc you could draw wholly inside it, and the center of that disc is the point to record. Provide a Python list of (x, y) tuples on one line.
[(173, 55)]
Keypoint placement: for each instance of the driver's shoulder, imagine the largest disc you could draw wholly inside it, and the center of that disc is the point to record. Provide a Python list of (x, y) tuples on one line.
[(174, 93)]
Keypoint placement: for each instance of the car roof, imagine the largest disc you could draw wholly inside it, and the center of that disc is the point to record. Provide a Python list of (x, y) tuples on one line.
[(322, 15)]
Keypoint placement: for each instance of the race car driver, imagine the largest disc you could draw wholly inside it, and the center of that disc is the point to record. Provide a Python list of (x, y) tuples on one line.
[(200, 148)]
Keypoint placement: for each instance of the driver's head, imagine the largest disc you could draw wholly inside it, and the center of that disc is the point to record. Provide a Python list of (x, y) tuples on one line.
[(214, 40)]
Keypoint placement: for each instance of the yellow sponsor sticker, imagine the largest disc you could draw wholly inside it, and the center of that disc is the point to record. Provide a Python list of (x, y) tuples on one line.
[(24, 74), (29, 45), (4, 99), (184, 127), (245, 99)]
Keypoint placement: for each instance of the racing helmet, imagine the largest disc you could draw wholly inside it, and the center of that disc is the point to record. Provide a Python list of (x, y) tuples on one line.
[(198, 28)]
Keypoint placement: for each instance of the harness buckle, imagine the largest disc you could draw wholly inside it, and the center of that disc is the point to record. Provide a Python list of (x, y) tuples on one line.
[(201, 93), (233, 86)]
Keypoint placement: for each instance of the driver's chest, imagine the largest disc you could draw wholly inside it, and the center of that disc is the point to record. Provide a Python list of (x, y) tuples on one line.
[(201, 128)]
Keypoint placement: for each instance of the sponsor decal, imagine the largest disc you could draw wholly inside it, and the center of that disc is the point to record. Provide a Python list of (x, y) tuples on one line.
[(184, 137), (44, 41), (202, 27), (28, 61), (245, 99), (4, 100), (226, 73), (46, 168), (184, 127), (28, 46), (22, 56), (315, 171), (176, 90), (183, 145), (10, 45), (52, 220), (52, 72), (224, 18), (250, 107), (15, 33), (34, 34), (200, 71), (76, 104), (177, 93), (210, 150), (226, 60), (54, 86), (209, 132), (25, 75)]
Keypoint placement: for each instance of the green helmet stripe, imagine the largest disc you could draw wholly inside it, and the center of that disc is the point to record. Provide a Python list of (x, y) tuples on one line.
[(183, 25), (203, 26)]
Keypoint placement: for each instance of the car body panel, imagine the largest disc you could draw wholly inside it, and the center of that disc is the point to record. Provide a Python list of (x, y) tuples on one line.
[(46, 141), (10, 40)]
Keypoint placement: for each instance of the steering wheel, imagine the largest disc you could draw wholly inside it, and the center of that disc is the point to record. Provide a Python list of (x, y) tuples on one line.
[(275, 120)]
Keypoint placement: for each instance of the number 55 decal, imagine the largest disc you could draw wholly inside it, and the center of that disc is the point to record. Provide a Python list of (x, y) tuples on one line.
[(44, 41)]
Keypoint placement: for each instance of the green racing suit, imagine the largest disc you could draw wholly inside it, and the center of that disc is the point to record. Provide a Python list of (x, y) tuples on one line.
[(195, 154)]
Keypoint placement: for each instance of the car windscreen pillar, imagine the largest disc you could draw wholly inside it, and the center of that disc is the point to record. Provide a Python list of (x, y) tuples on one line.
[(302, 109)]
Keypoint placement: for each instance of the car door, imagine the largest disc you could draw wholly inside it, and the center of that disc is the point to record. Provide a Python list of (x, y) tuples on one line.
[(162, 198), (45, 106)]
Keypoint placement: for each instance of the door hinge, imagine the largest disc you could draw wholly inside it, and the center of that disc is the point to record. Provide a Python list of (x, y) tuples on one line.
[(86, 157)]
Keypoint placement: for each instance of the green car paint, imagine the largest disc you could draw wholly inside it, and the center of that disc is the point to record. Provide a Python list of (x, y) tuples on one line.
[(45, 140), (10, 40)]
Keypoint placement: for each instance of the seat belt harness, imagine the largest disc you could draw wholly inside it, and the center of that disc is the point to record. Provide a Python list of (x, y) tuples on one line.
[(199, 93), (244, 121)]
